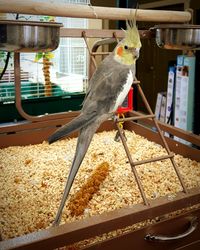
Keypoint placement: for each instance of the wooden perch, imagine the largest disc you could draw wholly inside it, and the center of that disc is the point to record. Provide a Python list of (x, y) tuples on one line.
[(86, 11)]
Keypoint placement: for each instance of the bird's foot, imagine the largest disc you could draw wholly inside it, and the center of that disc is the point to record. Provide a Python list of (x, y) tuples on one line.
[(117, 136), (115, 118)]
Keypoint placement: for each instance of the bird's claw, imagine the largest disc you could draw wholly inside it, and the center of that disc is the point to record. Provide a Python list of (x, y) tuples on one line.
[(115, 118), (117, 136)]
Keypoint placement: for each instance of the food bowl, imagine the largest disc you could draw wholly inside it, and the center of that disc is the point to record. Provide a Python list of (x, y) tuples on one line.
[(178, 36), (26, 36)]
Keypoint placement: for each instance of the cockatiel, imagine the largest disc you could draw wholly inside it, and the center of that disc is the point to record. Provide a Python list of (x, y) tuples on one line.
[(107, 90)]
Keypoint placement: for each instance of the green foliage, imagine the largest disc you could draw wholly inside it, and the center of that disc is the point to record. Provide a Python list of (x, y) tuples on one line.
[(49, 55), (40, 55), (47, 19), (2, 55)]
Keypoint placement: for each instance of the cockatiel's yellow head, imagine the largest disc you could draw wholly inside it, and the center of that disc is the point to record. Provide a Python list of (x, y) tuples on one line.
[(127, 51)]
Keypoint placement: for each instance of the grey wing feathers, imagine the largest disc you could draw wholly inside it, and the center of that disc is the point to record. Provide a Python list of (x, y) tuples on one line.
[(105, 85), (74, 125)]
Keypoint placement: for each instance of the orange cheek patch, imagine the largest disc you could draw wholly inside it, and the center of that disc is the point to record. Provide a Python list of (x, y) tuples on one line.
[(119, 51)]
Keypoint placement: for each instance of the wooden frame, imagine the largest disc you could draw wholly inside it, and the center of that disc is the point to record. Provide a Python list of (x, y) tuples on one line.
[(88, 11), (70, 233), (34, 132)]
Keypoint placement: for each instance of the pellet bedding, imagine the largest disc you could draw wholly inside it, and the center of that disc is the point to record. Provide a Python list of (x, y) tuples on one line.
[(32, 179)]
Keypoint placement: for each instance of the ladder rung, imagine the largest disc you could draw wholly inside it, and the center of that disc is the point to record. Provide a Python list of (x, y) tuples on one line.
[(153, 159), (136, 82), (135, 118)]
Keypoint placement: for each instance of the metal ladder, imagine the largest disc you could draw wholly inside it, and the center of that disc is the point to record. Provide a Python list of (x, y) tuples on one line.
[(133, 164)]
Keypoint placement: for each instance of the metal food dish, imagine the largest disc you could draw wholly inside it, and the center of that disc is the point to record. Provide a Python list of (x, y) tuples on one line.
[(23, 36), (178, 36)]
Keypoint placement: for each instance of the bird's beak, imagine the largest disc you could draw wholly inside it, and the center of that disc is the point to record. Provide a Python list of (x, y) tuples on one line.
[(135, 52)]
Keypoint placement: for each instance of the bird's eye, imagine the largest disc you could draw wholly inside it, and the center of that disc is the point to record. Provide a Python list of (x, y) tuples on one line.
[(125, 46)]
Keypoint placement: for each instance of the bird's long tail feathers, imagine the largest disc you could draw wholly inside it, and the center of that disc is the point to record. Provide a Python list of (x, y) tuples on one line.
[(85, 137), (74, 125)]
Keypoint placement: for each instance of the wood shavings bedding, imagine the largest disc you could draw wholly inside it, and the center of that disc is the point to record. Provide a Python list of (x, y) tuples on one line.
[(32, 179)]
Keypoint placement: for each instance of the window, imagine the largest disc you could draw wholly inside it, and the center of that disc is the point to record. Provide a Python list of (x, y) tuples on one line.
[(69, 70)]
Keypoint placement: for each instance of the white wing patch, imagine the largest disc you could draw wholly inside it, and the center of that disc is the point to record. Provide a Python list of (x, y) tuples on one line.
[(125, 91)]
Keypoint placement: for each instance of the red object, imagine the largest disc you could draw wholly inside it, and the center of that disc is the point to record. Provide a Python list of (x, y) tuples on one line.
[(127, 105)]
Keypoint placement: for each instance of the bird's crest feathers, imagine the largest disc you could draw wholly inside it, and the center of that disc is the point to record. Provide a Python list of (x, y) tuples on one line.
[(127, 51), (132, 37)]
